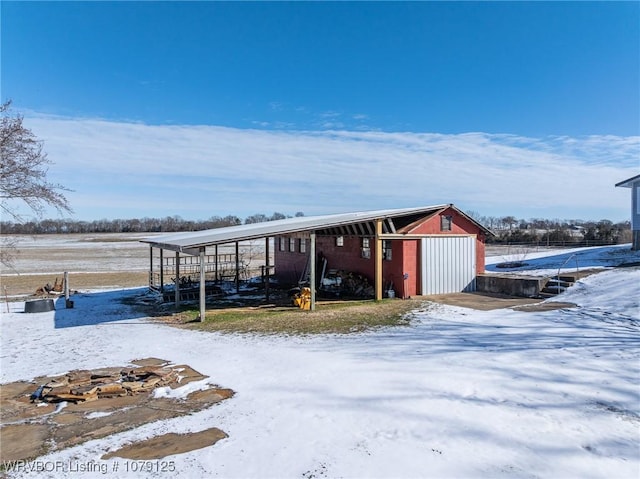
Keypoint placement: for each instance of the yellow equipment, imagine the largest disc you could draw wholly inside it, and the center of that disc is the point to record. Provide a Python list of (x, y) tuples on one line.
[(303, 299)]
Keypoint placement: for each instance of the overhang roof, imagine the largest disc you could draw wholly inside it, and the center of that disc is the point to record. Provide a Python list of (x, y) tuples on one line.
[(358, 223), (628, 183)]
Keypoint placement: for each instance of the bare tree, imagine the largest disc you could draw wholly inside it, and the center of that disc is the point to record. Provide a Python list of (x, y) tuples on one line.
[(23, 174), (24, 167), (509, 221)]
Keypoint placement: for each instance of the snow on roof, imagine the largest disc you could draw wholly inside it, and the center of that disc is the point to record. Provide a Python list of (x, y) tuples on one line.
[(196, 239)]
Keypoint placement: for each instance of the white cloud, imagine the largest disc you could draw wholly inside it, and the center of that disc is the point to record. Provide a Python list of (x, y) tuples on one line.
[(330, 114), (135, 170)]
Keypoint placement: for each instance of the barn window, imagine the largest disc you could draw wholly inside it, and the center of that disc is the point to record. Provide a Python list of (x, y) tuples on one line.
[(445, 222), (292, 244), (366, 248), (339, 240), (303, 245), (386, 250), (283, 241)]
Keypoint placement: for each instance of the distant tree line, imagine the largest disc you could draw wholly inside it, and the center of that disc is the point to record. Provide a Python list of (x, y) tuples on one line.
[(507, 229), (511, 230), (168, 224)]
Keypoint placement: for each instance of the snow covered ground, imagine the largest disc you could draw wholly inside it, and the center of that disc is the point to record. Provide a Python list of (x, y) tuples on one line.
[(563, 260), (457, 394)]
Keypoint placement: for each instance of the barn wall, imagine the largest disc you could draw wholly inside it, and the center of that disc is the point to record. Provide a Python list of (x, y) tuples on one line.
[(393, 269), (404, 259), (290, 264), (347, 257)]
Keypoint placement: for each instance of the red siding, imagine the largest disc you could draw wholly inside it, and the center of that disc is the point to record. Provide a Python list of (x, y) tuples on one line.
[(289, 266)]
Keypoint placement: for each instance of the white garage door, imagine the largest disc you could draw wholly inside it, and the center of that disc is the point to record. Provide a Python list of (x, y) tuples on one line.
[(448, 264)]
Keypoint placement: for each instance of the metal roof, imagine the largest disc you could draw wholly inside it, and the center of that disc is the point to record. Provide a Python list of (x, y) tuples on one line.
[(344, 223), (628, 183)]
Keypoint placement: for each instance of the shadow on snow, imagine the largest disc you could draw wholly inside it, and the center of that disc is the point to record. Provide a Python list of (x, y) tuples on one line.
[(98, 308)]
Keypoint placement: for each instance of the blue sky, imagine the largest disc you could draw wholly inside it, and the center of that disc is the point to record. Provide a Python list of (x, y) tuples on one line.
[(271, 91)]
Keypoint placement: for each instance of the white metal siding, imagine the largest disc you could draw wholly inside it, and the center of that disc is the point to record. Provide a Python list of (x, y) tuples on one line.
[(448, 264)]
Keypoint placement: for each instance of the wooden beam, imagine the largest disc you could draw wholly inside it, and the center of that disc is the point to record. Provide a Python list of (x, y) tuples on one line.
[(378, 265), (203, 289), (401, 236), (312, 270)]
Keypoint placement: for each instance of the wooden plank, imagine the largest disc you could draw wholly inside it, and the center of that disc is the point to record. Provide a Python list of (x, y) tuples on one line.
[(85, 390), (111, 389), (79, 377)]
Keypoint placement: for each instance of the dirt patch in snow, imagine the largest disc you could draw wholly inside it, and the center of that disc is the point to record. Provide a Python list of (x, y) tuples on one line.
[(168, 444), (31, 428), (545, 306), (488, 302)]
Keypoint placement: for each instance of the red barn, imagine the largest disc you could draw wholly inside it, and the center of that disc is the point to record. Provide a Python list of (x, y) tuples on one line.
[(431, 250)]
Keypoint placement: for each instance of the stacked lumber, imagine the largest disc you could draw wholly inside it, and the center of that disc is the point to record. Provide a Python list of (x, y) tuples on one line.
[(84, 386)]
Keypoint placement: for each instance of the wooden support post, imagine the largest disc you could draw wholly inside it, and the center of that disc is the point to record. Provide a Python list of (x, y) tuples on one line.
[(203, 290), (266, 270), (177, 288), (237, 267), (378, 265), (312, 270)]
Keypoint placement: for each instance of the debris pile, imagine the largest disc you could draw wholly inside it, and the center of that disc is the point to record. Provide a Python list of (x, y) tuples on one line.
[(48, 289), (346, 283), (84, 386), (102, 402)]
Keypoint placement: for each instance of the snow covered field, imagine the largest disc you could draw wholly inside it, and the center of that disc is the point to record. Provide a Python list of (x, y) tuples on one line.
[(51, 253), (457, 394), (97, 252)]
